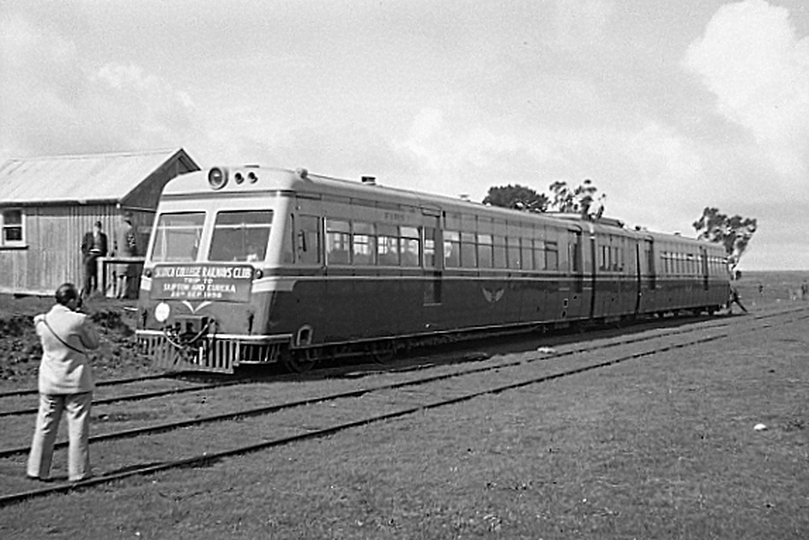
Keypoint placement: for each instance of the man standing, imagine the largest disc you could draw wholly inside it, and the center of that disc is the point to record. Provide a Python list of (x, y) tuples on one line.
[(65, 384), (126, 245), (93, 246)]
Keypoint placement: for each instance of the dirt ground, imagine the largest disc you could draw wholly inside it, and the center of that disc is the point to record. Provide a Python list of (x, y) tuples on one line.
[(20, 350)]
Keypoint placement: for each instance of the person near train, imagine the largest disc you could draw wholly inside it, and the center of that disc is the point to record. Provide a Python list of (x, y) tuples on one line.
[(735, 299), (65, 385), (126, 245), (93, 246)]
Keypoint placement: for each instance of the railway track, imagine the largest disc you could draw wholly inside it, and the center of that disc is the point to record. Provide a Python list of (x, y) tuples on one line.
[(176, 388), (162, 384), (402, 395), (333, 372)]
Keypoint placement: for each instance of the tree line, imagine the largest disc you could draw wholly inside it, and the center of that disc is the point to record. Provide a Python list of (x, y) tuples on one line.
[(733, 232)]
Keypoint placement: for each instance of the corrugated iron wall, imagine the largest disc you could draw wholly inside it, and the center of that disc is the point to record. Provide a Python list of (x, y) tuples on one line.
[(53, 235)]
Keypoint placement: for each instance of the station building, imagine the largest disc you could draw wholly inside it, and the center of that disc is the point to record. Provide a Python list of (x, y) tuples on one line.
[(47, 204)]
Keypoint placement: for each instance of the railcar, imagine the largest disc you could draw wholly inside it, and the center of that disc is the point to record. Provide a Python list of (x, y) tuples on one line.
[(250, 265)]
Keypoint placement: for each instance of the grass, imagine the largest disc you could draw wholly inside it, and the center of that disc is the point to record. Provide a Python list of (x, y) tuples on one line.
[(661, 447), (656, 448)]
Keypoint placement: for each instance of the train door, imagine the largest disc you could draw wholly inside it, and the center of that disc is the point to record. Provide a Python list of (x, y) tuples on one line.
[(578, 299), (639, 276), (703, 257), (594, 275), (433, 261), (647, 275), (309, 257)]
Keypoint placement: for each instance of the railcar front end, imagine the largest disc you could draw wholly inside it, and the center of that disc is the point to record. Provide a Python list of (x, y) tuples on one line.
[(204, 301)]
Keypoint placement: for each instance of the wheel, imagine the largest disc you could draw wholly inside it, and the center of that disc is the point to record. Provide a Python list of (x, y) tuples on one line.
[(382, 351), (301, 361)]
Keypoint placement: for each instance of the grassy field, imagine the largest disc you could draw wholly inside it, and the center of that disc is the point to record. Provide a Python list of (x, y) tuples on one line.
[(663, 447)]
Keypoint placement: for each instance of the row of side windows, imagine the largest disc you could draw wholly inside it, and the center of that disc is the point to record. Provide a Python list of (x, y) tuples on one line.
[(471, 250), (363, 243), (374, 244), (691, 264), (378, 244), (611, 258)]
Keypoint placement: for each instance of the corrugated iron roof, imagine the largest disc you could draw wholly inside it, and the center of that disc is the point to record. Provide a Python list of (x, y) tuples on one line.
[(86, 178)]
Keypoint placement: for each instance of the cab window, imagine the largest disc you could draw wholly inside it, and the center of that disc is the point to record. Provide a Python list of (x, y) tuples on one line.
[(177, 237), (241, 235)]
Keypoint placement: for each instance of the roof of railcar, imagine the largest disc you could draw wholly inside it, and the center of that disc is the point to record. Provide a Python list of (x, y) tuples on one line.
[(300, 181)]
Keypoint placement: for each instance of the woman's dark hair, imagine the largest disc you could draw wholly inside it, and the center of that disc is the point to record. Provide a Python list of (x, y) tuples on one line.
[(65, 293)]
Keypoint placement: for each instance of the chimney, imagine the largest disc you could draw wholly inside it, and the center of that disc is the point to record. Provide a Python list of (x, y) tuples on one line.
[(369, 180)]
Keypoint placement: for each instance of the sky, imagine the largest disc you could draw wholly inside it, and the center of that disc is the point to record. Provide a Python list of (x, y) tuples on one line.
[(667, 106)]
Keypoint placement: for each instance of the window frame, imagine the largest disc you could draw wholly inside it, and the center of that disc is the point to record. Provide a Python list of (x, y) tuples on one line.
[(219, 227), (11, 244), (160, 236)]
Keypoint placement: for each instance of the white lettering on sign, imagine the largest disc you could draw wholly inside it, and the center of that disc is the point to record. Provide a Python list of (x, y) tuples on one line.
[(231, 283)]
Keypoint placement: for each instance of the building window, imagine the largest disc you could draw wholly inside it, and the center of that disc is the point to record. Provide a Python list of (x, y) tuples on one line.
[(12, 222)]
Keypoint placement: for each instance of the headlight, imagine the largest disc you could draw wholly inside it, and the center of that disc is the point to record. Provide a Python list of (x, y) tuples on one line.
[(162, 312), (217, 178)]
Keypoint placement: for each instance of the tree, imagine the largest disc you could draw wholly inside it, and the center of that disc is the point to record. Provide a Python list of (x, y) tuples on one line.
[(517, 197), (581, 200), (734, 233)]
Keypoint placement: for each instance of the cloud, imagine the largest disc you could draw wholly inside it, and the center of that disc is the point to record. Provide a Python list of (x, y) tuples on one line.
[(581, 23), (752, 60), (54, 102)]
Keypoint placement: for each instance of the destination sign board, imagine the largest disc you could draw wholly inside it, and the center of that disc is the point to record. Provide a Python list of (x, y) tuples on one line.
[(228, 283)]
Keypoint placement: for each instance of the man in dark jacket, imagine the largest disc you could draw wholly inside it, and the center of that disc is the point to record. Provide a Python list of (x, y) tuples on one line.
[(93, 246), (126, 246)]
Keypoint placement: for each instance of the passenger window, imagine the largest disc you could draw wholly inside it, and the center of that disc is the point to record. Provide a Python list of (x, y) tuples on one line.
[(469, 258), (500, 252), (388, 245), (411, 246), (574, 257), (513, 247), (540, 259), (338, 242), (527, 254), (429, 247), (485, 251), (551, 255), (452, 249), (364, 245)]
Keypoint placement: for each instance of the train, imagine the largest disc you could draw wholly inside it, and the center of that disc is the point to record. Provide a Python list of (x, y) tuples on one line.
[(255, 265)]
